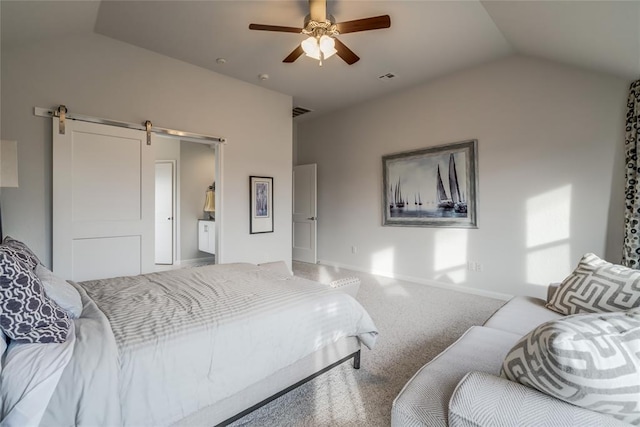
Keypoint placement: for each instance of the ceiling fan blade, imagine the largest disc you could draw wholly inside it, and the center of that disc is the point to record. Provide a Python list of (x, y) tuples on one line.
[(365, 24), (318, 10), (275, 28), (294, 55), (345, 53)]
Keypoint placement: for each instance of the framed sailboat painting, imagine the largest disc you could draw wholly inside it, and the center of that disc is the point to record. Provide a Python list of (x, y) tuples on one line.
[(432, 187)]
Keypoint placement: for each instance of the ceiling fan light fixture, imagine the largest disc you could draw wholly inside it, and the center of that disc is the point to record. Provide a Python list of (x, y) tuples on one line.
[(311, 47), (327, 46), (314, 46), (321, 30)]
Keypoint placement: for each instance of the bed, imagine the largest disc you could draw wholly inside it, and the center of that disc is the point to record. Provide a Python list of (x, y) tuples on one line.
[(197, 346)]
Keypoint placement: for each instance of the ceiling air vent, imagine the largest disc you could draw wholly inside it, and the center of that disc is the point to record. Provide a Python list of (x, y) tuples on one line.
[(298, 111), (387, 76)]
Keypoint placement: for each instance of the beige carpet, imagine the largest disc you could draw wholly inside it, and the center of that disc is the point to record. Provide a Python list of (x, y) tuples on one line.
[(416, 322)]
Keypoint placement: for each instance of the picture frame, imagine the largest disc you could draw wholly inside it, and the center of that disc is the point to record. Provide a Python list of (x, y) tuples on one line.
[(261, 204), (432, 187)]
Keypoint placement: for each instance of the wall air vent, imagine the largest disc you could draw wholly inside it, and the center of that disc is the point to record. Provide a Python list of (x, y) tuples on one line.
[(298, 111), (387, 76)]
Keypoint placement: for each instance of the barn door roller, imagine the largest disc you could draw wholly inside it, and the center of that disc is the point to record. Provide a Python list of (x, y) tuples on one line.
[(62, 111)]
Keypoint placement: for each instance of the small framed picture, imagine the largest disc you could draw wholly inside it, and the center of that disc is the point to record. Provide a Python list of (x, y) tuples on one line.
[(261, 204)]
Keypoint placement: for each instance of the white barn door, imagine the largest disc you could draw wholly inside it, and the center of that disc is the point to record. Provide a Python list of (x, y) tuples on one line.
[(103, 201)]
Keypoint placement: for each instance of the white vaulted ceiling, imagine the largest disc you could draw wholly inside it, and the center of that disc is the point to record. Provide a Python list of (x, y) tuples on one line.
[(427, 39)]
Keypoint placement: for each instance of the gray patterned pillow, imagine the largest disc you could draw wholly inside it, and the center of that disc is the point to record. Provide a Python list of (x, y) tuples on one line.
[(590, 360), (597, 286), (21, 251), (27, 315)]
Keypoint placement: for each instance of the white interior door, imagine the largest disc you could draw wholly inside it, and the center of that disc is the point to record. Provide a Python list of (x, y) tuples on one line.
[(305, 213), (103, 201), (164, 219)]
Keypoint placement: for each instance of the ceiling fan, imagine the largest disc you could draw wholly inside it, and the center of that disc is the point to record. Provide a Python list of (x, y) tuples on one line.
[(322, 31)]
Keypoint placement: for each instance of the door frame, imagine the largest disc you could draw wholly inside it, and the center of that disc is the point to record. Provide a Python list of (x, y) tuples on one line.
[(218, 148), (313, 220), (218, 194)]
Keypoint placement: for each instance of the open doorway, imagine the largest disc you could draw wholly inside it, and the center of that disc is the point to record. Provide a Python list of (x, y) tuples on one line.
[(185, 232)]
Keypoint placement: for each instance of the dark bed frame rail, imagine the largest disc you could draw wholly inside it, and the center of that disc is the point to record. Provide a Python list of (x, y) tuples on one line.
[(356, 365)]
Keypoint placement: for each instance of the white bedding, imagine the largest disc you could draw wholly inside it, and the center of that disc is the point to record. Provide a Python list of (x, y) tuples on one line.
[(29, 378), (153, 349)]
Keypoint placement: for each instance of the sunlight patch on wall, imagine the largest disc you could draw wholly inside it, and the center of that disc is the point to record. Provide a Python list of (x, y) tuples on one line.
[(548, 234), (450, 255), (548, 217), (548, 265), (382, 262), (450, 249)]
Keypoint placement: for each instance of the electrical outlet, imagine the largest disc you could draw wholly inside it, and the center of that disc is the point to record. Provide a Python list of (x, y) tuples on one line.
[(474, 266), (354, 249)]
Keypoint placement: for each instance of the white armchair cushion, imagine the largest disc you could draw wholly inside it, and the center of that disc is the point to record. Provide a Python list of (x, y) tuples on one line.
[(482, 399)]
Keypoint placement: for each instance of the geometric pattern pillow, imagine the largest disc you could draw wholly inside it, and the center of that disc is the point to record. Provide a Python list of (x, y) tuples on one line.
[(27, 315), (21, 251), (590, 360), (597, 286)]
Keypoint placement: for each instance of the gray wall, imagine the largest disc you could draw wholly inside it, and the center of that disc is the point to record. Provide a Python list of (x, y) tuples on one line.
[(550, 176), (99, 76), (197, 172)]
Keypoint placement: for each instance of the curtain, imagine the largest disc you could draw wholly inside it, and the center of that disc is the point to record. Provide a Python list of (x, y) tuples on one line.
[(631, 246)]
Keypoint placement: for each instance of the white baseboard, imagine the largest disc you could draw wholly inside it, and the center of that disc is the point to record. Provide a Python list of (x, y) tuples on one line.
[(434, 283)]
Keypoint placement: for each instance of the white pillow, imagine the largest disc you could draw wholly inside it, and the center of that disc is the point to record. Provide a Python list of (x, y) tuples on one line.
[(63, 293)]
